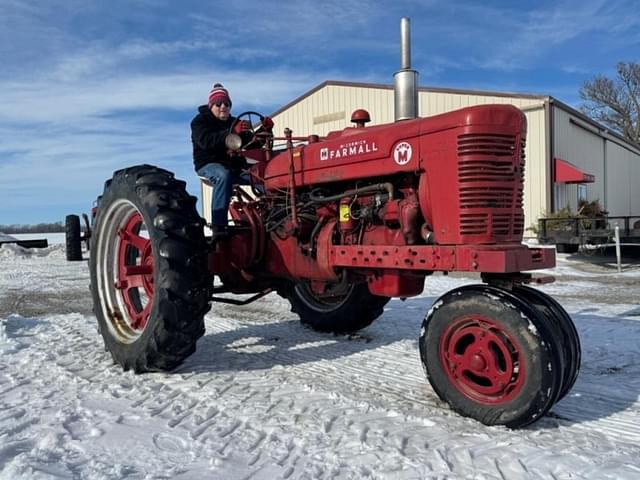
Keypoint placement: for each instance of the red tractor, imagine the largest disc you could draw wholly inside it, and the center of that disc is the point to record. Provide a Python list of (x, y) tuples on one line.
[(338, 226)]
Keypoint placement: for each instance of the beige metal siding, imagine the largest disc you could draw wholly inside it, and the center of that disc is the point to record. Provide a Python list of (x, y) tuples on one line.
[(634, 185), (623, 172), (434, 103), (582, 146), (536, 184), (330, 109)]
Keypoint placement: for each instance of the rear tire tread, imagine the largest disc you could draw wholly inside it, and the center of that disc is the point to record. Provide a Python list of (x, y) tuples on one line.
[(358, 312), (181, 292)]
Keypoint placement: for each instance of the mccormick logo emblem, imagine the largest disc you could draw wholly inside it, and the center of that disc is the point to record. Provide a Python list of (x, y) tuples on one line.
[(402, 153), (350, 149)]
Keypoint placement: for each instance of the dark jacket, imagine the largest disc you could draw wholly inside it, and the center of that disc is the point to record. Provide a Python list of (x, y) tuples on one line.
[(207, 135)]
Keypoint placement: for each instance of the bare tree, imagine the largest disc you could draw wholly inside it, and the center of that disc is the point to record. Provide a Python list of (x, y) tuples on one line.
[(615, 102)]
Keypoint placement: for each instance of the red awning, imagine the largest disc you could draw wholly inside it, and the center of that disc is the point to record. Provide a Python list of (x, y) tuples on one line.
[(567, 173)]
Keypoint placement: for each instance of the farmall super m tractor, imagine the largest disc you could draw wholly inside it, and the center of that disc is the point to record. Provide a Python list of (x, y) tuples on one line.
[(339, 226)]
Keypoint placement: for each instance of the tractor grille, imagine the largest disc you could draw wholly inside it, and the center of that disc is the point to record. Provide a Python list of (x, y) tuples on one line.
[(482, 197), (491, 176)]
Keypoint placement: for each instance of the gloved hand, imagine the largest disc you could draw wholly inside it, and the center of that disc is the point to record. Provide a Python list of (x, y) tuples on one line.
[(244, 130), (241, 126), (267, 123)]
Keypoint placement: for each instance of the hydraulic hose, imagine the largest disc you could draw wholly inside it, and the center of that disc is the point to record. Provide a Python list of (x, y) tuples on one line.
[(378, 187)]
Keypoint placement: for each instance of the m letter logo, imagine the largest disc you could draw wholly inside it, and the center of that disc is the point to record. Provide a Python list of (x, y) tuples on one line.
[(402, 153)]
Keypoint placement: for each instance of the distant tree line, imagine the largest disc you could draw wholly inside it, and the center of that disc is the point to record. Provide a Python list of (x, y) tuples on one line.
[(39, 228)]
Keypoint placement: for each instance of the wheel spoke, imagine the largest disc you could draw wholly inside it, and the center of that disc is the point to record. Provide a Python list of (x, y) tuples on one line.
[(134, 239), (499, 375), (498, 354), (134, 275), (457, 363), (499, 369), (140, 318)]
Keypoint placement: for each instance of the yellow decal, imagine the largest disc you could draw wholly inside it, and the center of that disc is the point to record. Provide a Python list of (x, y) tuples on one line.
[(344, 213)]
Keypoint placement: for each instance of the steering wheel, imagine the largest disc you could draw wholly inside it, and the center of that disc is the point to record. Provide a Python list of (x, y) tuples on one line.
[(248, 114), (248, 117)]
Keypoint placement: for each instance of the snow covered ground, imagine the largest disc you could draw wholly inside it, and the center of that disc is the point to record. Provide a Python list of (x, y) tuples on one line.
[(265, 398)]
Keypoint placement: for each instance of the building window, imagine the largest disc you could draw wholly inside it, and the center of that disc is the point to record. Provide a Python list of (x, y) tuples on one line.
[(582, 193)]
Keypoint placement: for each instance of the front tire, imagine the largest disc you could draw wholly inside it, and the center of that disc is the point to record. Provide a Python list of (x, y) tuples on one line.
[(489, 356), (559, 319), (342, 308), (149, 277)]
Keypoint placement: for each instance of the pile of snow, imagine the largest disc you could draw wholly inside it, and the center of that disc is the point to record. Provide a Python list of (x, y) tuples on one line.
[(265, 398), (14, 250), (56, 248), (4, 237)]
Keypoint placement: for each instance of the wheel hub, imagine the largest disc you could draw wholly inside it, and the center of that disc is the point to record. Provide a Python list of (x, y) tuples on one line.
[(481, 360), (477, 362)]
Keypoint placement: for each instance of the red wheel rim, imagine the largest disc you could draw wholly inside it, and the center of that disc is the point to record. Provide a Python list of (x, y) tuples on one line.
[(135, 272), (482, 360)]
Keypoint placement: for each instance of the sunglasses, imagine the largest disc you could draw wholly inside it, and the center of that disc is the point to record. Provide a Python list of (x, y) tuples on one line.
[(219, 104)]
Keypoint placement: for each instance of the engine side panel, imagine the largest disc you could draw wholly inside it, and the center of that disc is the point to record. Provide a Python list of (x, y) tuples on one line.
[(470, 165), (379, 151)]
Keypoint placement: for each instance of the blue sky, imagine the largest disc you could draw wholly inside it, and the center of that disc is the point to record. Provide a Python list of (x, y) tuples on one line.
[(87, 87)]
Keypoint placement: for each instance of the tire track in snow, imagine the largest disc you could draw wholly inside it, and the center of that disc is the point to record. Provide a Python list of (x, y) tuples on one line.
[(159, 400), (278, 412), (369, 367)]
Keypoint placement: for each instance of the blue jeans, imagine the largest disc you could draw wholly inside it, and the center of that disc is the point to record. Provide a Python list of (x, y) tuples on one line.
[(223, 180)]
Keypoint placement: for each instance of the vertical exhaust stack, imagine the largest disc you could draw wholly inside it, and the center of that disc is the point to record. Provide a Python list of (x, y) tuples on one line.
[(405, 79)]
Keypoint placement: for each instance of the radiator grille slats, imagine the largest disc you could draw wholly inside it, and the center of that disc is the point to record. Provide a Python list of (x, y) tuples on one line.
[(491, 177), (481, 197), (486, 144), (501, 224)]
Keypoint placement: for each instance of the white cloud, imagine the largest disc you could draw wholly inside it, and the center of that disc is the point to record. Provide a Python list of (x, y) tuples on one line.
[(70, 136), (54, 103), (87, 87)]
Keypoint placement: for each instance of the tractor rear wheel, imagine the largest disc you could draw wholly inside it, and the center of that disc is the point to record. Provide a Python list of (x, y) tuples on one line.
[(340, 308), (72, 238), (148, 265), (491, 357)]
